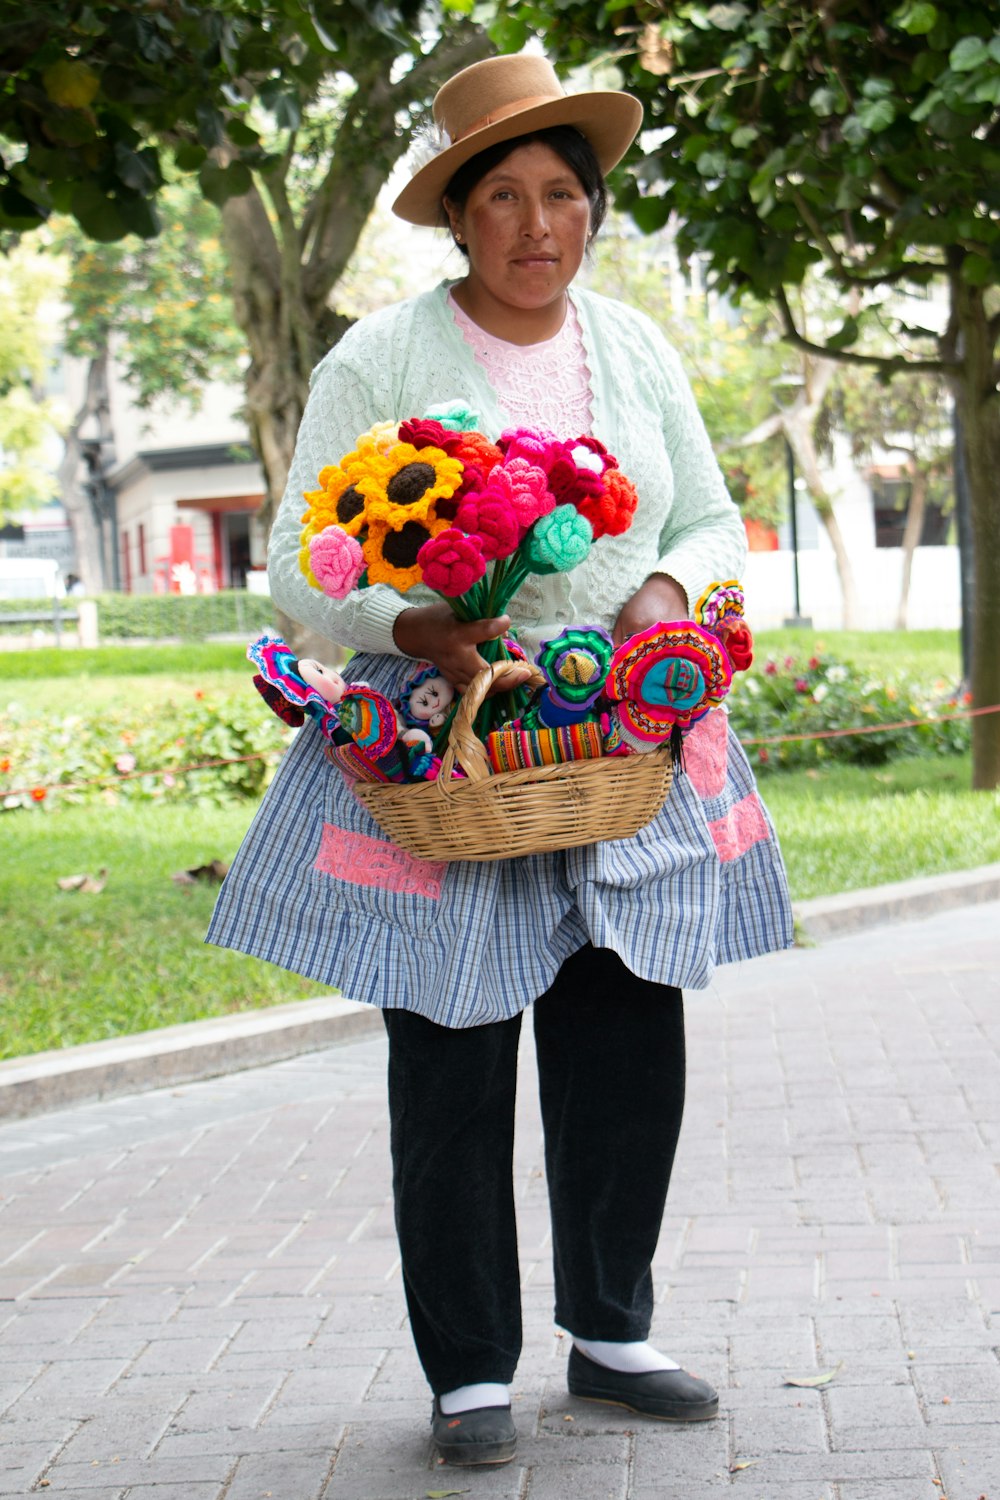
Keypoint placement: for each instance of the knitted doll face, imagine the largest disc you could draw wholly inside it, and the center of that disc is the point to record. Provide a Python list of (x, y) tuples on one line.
[(428, 702), (325, 680), (526, 225)]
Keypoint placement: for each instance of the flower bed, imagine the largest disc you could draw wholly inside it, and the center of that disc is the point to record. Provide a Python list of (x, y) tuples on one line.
[(138, 754), (822, 696)]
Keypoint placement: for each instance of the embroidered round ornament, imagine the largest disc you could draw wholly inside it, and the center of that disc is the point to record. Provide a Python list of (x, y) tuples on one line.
[(667, 675)]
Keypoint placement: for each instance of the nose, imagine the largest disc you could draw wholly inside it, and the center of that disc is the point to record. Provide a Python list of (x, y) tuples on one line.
[(535, 223)]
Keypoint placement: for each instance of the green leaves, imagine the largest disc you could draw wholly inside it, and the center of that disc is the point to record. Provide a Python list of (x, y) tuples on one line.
[(967, 54), (917, 17), (219, 183)]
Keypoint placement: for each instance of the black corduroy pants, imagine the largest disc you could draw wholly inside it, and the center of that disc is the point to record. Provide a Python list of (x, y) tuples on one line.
[(611, 1068)]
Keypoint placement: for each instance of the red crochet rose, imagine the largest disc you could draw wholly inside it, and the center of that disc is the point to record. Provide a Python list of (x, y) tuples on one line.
[(475, 448), (425, 432), (451, 562), (739, 646), (571, 485)]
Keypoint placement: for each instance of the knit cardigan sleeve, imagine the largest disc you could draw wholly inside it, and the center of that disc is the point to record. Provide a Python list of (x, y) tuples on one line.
[(350, 390)]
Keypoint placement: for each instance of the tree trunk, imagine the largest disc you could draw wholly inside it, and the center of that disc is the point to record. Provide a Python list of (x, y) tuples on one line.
[(87, 537), (799, 423), (912, 532), (979, 410)]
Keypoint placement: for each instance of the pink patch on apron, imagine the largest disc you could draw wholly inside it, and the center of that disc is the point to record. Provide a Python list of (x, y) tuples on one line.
[(361, 860), (706, 752), (742, 826)]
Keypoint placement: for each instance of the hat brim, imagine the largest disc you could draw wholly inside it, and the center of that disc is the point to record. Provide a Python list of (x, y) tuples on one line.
[(609, 120)]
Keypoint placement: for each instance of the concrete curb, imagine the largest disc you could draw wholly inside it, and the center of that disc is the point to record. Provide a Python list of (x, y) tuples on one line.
[(195, 1050), (852, 911), (177, 1054)]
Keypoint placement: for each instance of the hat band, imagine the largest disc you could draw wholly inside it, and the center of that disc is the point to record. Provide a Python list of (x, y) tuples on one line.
[(503, 113)]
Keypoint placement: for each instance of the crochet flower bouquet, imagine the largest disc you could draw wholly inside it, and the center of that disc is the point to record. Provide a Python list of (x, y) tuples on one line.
[(431, 500)]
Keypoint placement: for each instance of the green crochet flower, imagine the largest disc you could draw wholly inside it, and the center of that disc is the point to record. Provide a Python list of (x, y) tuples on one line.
[(455, 415), (559, 541)]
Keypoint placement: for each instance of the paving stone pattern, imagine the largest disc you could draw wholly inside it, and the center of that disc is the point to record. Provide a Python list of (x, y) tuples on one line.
[(200, 1294)]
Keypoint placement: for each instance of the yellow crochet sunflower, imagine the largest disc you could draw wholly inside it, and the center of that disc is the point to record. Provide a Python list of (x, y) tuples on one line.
[(391, 552), (340, 500), (402, 485)]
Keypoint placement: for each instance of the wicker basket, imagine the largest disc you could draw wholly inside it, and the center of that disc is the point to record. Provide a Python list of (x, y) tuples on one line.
[(485, 816)]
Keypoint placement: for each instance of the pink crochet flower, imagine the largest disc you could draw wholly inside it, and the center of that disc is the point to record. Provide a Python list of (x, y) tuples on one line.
[(492, 521), (451, 562), (336, 560), (525, 489)]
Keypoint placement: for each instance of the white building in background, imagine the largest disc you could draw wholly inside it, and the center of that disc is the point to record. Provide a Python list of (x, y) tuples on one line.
[(872, 531), (187, 492)]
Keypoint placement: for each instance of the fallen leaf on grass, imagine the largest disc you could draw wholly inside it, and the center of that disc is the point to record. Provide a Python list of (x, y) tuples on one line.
[(747, 1463), (94, 884), (214, 873), (814, 1380)]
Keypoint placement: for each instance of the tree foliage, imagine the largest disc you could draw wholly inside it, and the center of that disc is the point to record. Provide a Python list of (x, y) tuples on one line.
[(29, 419), (850, 136), (165, 302), (102, 95)]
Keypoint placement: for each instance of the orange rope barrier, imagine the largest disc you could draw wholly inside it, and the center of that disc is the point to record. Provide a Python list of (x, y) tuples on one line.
[(207, 765)]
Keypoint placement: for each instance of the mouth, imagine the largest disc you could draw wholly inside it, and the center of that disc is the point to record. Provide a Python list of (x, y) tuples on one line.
[(535, 262)]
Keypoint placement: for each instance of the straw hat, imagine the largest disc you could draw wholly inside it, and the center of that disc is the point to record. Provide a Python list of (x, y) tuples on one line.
[(505, 97)]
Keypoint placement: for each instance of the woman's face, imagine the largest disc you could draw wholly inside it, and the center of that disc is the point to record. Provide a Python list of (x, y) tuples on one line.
[(526, 225)]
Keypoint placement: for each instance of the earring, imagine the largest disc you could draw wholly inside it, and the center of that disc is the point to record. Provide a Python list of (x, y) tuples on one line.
[(458, 237)]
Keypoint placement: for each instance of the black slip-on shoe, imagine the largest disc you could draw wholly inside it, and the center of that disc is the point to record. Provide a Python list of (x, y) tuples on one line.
[(484, 1435), (668, 1395)]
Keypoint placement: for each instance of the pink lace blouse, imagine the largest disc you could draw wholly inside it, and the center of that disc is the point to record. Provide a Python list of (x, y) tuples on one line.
[(536, 385)]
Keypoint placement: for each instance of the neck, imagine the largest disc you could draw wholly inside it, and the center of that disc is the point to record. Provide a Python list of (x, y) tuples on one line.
[(516, 325)]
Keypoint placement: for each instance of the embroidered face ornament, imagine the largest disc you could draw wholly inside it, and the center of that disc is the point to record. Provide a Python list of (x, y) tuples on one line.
[(427, 698)]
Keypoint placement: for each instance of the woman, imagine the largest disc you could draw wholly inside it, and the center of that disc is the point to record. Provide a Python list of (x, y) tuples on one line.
[(601, 938)]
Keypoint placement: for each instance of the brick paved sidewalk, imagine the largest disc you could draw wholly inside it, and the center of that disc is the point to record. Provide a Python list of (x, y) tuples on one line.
[(200, 1294)]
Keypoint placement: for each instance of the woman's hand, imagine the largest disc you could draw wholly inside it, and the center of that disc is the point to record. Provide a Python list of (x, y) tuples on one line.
[(659, 600), (430, 632)]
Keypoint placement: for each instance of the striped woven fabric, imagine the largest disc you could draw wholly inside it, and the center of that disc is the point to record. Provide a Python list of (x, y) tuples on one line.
[(514, 749)]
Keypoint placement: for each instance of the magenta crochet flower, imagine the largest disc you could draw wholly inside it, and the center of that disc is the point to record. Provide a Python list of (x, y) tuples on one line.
[(536, 445), (559, 541), (336, 560), (525, 489), (493, 521), (451, 562)]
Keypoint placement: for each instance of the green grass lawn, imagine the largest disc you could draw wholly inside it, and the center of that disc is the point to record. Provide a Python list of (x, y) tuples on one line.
[(844, 828), (80, 967), (927, 655)]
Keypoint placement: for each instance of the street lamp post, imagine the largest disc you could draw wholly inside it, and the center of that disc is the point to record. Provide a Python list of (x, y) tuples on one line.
[(797, 620)]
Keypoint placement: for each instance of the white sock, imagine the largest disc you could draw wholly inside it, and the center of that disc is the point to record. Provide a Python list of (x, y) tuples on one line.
[(628, 1359), (469, 1397)]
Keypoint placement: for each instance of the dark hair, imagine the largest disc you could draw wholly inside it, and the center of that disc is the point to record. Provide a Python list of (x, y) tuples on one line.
[(566, 141)]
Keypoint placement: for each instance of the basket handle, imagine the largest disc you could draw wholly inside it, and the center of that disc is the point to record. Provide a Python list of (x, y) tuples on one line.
[(464, 748)]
